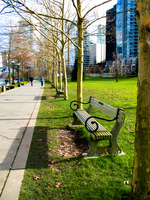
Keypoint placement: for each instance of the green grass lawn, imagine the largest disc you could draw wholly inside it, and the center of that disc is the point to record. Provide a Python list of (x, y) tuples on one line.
[(48, 175)]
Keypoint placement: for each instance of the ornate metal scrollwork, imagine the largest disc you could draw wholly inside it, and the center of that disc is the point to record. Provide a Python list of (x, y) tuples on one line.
[(96, 123), (92, 122), (77, 106)]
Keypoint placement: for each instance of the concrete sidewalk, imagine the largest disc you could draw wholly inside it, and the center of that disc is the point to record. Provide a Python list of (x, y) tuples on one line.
[(18, 112)]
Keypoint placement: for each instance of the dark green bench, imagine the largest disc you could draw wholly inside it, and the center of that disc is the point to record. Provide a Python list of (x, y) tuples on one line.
[(96, 130), (59, 93)]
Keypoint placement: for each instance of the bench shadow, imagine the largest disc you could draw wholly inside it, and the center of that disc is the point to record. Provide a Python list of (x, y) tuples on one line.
[(42, 156)]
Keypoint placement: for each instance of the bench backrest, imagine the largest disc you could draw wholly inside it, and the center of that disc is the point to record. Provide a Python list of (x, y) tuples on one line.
[(106, 109)]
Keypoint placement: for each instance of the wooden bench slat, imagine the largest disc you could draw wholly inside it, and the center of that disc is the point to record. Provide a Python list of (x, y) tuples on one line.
[(106, 109), (101, 133)]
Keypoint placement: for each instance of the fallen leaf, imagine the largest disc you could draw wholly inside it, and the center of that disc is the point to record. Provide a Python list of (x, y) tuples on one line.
[(58, 184), (130, 141), (42, 130), (39, 140), (56, 170), (79, 163), (127, 182), (49, 185), (36, 177), (27, 146), (52, 161), (132, 131), (128, 129), (65, 144)]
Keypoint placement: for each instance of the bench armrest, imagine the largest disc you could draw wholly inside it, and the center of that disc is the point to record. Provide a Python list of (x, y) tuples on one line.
[(76, 105), (96, 123)]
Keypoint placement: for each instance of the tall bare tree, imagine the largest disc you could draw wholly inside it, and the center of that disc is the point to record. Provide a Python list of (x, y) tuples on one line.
[(78, 21)]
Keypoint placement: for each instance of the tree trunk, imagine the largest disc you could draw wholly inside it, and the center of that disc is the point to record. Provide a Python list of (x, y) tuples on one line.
[(60, 75), (55, 69), (141, 171), (63, 57), (9, 52), (80, 54), (64, 76), (49, 71)]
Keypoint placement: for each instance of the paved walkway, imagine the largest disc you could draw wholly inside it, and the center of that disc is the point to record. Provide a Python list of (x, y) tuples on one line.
[(18, 112)]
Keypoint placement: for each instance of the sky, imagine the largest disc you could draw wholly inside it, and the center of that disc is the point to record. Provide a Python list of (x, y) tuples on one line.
[(100, 11)]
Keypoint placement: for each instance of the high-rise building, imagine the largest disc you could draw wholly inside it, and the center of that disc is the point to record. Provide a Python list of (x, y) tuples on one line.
[(101, 37), (119, 32), (98, 53), (101, 44), (111, 34), (71, 50), (127, 29)]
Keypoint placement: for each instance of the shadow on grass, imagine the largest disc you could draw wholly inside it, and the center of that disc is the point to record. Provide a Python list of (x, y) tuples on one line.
[(38, 149), (78, 178), (42, 150)]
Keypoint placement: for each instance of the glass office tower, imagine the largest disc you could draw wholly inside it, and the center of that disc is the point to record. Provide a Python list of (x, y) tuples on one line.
[(119, 31), (111, 34), (130, 30), (127, 43)]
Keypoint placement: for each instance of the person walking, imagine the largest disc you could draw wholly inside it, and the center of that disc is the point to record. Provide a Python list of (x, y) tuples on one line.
[(42, 80), (31, 80)]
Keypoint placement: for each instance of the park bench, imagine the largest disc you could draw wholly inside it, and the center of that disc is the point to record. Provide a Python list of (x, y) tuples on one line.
[(4, 87), (59, 93), (96, 130)]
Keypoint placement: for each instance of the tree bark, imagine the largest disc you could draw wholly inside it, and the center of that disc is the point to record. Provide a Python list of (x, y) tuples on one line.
[(9, 52), (141, 171), (63, 57), (80, 54)]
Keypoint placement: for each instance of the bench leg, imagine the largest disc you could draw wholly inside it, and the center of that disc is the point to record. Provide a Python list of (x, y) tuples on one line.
[(113, 141), (94, 150), (114, 147), (76, 121), (59, 94)]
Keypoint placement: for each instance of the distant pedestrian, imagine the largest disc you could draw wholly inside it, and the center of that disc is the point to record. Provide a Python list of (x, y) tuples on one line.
[(42, 80), (6, 81), (31, 80)]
